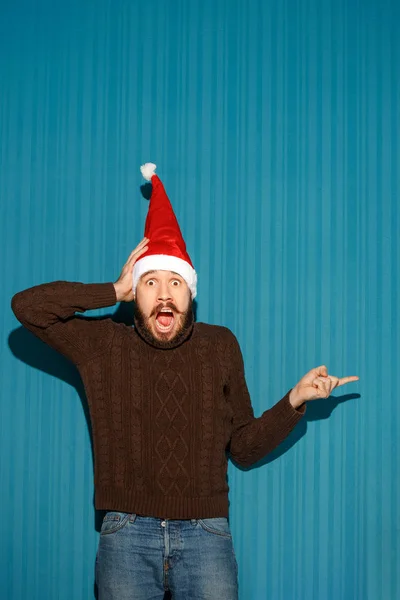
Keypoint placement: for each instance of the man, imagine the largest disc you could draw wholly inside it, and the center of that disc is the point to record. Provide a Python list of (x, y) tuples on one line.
[(167, 399)]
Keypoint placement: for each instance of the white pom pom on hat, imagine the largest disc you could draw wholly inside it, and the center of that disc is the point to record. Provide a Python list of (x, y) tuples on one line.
[(148, 170), (167, 248)]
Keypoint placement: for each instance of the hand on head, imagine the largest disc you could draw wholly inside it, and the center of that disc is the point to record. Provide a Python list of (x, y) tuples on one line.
[(123, 285)]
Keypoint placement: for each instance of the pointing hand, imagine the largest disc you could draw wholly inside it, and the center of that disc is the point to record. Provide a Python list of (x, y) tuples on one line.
[(317, 384)]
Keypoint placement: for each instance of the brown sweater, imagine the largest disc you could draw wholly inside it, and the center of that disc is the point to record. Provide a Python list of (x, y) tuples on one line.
[(162, 420)]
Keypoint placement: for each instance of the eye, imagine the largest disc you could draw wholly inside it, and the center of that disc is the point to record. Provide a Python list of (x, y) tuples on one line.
[(150, 282), (176, 282)]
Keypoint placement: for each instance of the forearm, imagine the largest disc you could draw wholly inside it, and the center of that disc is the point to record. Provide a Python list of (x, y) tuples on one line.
[(48, 311), (45, 304), (260, 436)]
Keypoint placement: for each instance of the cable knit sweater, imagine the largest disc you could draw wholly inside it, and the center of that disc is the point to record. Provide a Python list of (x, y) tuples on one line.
[(162, 420)]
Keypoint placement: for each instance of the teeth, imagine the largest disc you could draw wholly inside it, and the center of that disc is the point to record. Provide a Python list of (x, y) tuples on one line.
[(163, 326)]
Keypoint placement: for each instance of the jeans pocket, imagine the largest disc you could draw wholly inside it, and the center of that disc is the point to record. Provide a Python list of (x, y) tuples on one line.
[(114, 521), (217, 526)]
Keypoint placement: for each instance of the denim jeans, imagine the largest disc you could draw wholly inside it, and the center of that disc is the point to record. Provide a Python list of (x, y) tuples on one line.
[(141, 557)]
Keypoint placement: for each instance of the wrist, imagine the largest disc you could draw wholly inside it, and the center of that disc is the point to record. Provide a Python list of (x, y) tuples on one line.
[(295, 399), (118, 292)]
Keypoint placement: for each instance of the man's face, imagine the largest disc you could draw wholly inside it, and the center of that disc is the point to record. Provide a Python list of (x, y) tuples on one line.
[(163, 302)]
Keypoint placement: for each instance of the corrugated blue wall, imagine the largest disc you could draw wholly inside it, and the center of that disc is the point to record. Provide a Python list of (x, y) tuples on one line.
[(275, 127)]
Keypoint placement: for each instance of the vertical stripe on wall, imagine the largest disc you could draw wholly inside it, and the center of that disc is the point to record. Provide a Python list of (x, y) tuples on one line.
[(275, 126)]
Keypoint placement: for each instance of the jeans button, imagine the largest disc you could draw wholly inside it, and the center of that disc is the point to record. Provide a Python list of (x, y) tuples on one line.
[(162, 523)]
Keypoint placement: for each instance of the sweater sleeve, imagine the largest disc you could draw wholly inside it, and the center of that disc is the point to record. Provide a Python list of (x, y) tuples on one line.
[(48, 311), (253, 438)]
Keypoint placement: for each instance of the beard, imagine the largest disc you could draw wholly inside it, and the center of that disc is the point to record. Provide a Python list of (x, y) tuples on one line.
[(162, 341)]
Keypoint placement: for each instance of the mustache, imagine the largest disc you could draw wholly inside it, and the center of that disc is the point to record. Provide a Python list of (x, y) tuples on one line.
[(170, 305), (144, 330)]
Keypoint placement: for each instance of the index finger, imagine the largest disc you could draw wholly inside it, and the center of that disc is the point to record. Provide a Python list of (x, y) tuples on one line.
[(138, 247), (343, 380)]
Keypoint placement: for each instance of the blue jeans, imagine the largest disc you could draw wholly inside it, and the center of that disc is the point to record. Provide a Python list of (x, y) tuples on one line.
[(140, 558)]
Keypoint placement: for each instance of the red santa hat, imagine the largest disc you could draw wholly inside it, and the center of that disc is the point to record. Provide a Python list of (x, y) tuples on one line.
[(167, 248)]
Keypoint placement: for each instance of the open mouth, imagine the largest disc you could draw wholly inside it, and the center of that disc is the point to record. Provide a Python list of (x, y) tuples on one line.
[(165, 320)]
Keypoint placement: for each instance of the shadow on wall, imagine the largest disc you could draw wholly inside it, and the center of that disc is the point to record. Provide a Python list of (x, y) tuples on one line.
[(29, 349), (316, 411), (35, 353), (26, 347)]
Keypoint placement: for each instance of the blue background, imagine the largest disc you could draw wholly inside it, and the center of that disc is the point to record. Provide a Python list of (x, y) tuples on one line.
[(275, 128)]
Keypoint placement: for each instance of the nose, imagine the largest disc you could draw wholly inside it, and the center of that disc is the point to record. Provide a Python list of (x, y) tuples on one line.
[(164, 293)]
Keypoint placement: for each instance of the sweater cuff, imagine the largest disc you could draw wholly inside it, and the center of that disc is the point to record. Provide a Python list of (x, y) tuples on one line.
[(300, 409), (294, 414)]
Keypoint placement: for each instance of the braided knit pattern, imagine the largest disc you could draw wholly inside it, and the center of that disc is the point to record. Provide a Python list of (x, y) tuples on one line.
[(162, 420), (171, 425)]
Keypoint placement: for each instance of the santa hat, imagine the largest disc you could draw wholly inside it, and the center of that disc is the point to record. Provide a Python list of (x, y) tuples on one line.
[(167, 248)]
